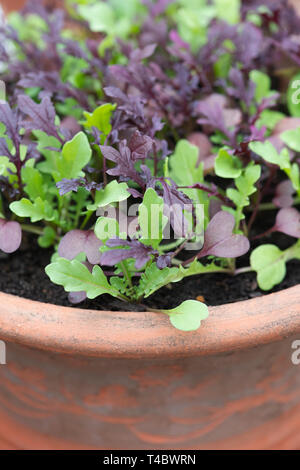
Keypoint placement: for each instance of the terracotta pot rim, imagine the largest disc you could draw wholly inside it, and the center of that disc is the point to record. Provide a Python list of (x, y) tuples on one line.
[(94, 333), (141, 334)]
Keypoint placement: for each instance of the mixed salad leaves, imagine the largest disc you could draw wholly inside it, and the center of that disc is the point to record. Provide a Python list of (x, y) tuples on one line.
[(142, 139)]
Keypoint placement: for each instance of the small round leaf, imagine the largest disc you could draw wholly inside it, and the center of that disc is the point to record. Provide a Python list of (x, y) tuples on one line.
[(188, 315)]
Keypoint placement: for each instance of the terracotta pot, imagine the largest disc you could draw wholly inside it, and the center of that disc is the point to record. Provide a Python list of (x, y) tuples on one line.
[(10, 5), (82, 379)]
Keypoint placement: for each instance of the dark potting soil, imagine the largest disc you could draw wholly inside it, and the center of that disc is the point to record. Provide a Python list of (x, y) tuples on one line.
[(22, 274)]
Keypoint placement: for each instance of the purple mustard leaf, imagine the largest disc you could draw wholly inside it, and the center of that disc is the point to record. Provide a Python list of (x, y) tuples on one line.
[(4, 151), (154, 32), (157, 7), (32, 151), (116, 93), (284, 194), (50, 84), (69, 127), (92, 185), (131, 249), (42, 115), (10, 236), (67, 185), (175, 203), (186, 84), (157, 124), (110, 153), (135, 193), (45, 79), (124, 162), (116, 242), (135, 74), (288, 222), (249, 44), (77, 297), (114, 135), (147, 176), (132, 105), (219, 239), (126, 47), (96, 135), (241, 88), (269, 101), (200, 140), (10, 118), (162, 146), (74, 49), (257, 134), (80, 241), (217, 116), (242, 148), (131, 112), (288, 23), (163, 98), (163, 261), (140, 145), (178, 41), (119, 72), (138, 55), (215, 206), (92, 246)]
